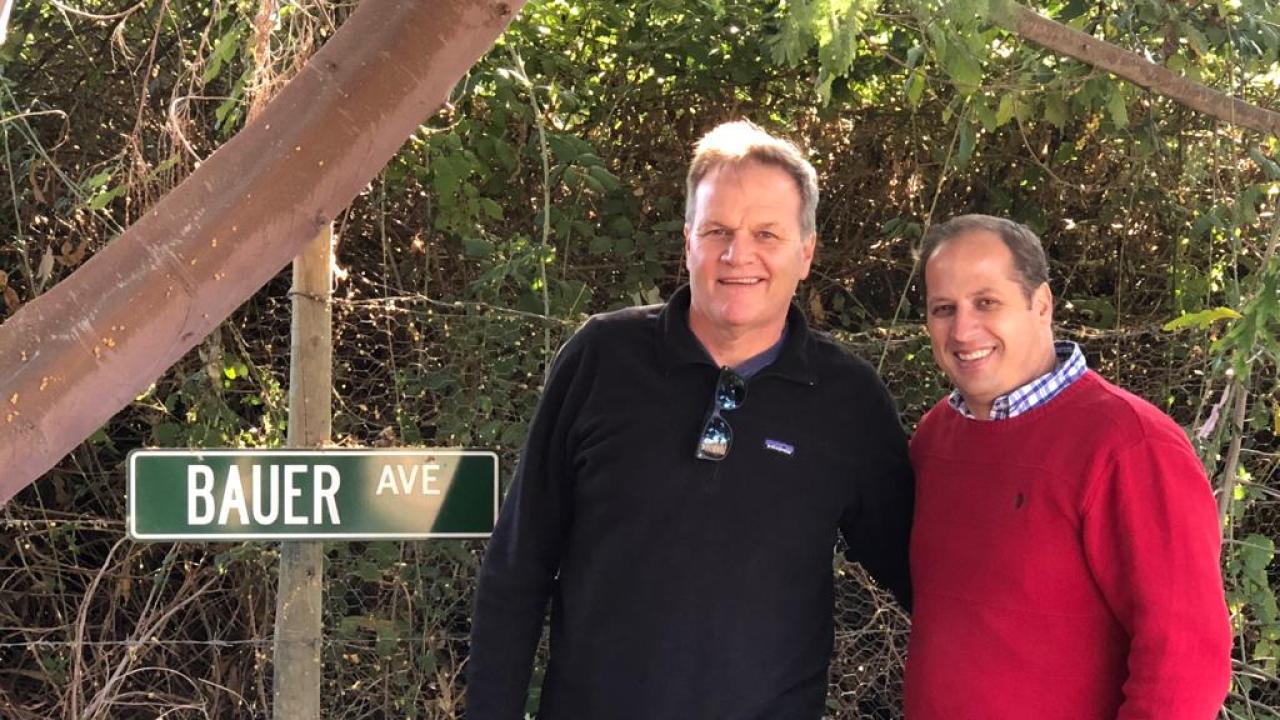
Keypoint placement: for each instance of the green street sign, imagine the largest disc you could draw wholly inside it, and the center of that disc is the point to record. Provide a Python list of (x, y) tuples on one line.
[(221, 495)]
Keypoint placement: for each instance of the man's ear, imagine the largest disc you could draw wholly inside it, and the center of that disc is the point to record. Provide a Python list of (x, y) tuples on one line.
[(809, 248), (1042, 303), (688, 249)]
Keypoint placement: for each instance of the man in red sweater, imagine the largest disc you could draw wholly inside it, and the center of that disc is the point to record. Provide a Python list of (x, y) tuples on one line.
[(1065, 551)]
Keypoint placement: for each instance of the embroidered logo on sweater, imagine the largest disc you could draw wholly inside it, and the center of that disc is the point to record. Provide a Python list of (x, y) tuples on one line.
[(779, 447)]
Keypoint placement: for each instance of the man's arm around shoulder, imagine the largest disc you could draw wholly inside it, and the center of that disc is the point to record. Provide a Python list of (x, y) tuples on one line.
[(877, 526)]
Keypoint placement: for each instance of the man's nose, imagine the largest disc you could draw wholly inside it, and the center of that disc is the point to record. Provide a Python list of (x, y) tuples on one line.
[(739, 250), (965, 324)]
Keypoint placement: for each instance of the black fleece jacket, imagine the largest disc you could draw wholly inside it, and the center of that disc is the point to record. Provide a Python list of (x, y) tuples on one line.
[(683, 588)]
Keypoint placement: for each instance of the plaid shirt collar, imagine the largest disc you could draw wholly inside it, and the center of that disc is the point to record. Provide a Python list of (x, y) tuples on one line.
[(1070, 367)]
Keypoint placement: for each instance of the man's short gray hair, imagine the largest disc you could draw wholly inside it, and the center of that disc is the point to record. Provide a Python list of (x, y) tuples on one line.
[(733, 143), (1029, 262)]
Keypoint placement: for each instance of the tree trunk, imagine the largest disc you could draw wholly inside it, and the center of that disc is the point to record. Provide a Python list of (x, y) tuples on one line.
[(1059, 38), (73, 357)]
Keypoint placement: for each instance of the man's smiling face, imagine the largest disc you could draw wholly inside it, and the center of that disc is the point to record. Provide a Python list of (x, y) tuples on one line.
[(988, 336), (745, 250)]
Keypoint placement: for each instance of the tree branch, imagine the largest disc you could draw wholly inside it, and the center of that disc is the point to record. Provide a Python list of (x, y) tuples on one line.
[(1055, 36)]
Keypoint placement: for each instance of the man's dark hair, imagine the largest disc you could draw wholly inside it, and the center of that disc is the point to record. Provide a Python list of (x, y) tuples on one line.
[(1029, 262)]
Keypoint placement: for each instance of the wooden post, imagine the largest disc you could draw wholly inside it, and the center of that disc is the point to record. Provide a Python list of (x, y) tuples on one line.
[(299, 596)]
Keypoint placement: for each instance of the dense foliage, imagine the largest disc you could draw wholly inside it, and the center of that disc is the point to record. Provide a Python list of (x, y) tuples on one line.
[(553, 188)]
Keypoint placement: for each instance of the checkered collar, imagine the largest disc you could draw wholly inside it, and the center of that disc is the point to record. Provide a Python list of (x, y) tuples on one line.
[(1070, 367)]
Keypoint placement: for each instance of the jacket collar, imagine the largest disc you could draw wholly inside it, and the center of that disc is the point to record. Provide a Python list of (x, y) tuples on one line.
[(677, 345)]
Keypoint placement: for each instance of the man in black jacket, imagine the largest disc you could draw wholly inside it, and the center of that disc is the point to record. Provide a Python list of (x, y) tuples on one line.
[(684, 478)]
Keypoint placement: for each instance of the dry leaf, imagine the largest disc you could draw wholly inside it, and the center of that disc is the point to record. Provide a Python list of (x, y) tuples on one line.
[(35, 185), (71, 257), (11, 299), (816, 312), (46, 269)]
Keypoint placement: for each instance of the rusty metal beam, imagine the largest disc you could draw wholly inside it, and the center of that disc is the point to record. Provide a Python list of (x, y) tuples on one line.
[(76, 355)]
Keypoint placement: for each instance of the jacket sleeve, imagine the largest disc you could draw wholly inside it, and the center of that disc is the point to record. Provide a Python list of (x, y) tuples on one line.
[(1152, 542), (523, 555), (877, 525)]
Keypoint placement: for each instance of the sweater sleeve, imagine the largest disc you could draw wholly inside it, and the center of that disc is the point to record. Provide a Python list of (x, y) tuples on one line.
[(523, 554), (1152, 542), (877, 526)]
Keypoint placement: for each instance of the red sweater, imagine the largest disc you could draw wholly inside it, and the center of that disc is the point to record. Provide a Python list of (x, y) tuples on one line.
[(1065, 565)]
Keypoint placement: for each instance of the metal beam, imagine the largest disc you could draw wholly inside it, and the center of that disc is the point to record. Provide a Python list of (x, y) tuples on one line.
[(76, 355)]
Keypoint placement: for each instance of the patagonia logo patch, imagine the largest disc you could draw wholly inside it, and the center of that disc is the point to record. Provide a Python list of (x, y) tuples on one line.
[(779, 447)]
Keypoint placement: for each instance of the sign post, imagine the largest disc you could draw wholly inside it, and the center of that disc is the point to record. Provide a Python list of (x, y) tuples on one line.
[(299, 592)]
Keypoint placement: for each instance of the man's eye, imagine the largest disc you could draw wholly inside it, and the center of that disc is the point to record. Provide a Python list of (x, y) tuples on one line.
[(941, 310), (986, 303)]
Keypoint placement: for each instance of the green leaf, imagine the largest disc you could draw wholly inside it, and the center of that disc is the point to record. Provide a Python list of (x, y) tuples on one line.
[(489, 430), (1195, 38), (512, 435), (166, 434), (491, 208), (211, 72), (477, 247), (1073, 9), (367, 570), (606, 179), (913, 56), (97, 181), (592, 182), (1202, 319), (964, 70), (621, 225), (505, 154), (984, 113), (562, 148), (915, 88), (967, 141), (1118, 108), (600, 245), (1004, 113), (1095, 311), (1256, 552), (1055, 110), (347, 627), (224, 51), (101, 200), (227, 44), (1267, 165)]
